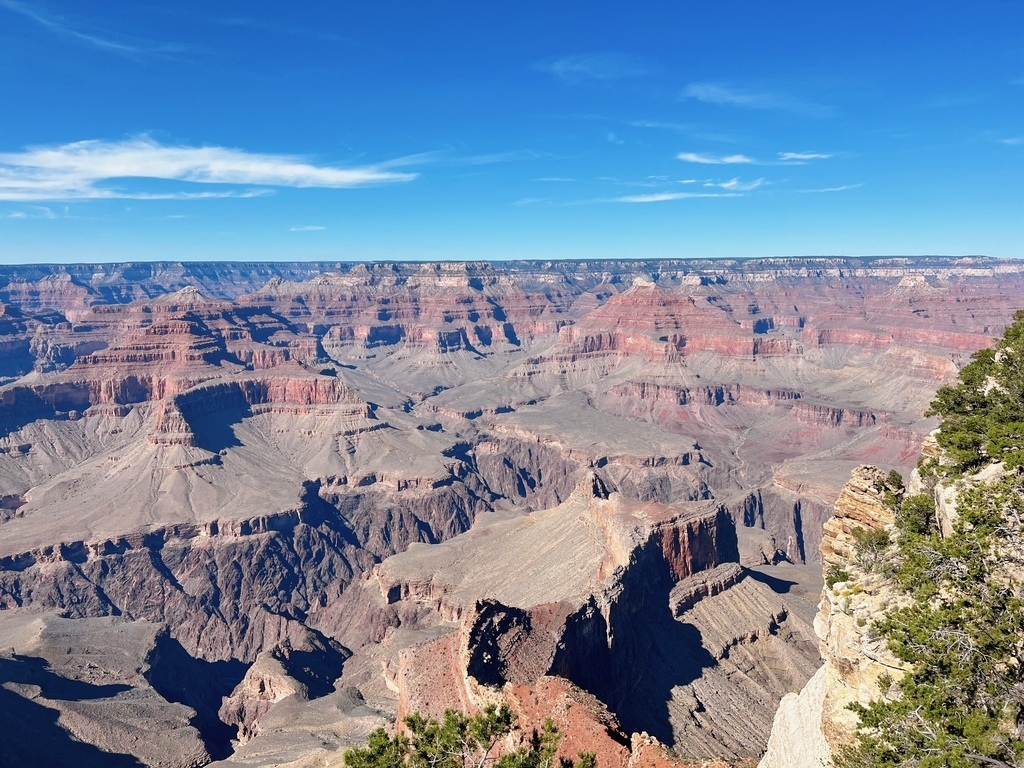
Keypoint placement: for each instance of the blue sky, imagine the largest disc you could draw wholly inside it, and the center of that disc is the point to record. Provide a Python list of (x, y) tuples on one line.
[(469, 130)]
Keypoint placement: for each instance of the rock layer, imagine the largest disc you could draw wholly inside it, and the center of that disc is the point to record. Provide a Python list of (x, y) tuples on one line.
[(812, 725), (230, 448)]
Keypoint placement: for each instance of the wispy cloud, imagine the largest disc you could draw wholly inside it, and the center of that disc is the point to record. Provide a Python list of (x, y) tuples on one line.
[(32, 212), (802, 156), (595, 66), (833, 189), (277, 29), (613, 138), (650, 181), (660, 197), (77, 171), (448, 157), (104, 41), (735, 185), (717, 93), (307, 228), (662, 125), (1014, 141), (531, 201), (498, 157), (554, 178), (707, 159)]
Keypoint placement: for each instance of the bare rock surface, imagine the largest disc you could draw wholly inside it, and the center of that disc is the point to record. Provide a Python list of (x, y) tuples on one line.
[(301, 733), (81, 691), (228, 449), (652, 615), (811, 725)]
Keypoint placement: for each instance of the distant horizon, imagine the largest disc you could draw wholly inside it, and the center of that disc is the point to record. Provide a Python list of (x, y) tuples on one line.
[(427, 262), (535, 131)]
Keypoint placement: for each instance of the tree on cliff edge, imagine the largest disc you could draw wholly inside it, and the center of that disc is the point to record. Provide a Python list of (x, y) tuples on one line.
[(460, 741), (959, 622)]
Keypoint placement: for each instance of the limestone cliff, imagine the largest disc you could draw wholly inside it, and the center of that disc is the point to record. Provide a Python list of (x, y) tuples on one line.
[(809, 726)]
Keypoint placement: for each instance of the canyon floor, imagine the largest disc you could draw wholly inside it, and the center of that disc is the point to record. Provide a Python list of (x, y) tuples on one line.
[(251, 512)]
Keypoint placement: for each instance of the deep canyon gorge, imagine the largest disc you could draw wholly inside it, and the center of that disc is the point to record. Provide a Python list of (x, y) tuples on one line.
[(249, 512)]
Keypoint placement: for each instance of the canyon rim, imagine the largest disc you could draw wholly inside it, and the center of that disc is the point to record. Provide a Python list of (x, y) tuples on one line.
[(251, 512)]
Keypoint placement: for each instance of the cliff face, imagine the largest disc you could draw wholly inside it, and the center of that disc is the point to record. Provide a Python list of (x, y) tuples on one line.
[(810, 726), (102, 692), (651, 609), (231, 448)]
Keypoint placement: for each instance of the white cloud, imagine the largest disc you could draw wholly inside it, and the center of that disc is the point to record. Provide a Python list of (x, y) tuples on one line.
[(75, 171), (735, 185), (61, 26), (531, 201), (802, 156), (662, 125), (659, 197), (1015, 141), (717, 93), (834, 189), (307, 228), (706, 159), (554, 178), (445, 157), (32, 212), (596, 66)]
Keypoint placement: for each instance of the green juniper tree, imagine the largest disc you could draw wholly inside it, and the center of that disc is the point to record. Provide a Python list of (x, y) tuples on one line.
[(460, 741), (959, 626)]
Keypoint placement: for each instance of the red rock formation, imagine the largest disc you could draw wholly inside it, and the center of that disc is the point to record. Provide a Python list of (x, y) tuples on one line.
[(229, 447)]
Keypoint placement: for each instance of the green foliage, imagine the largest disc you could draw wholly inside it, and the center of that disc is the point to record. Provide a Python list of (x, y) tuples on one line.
[(961, 632), (460, 741), (913, 513), (983, 414), (540, 751), (916, 514), (834, 575), (895, 480), (959, 624), (870, 544), (962, 635)]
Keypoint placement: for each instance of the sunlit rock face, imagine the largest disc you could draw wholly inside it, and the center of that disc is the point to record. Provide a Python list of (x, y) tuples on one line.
[(232, 449)]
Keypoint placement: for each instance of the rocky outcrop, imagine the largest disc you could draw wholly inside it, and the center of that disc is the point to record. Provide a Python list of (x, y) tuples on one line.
[(228, 448), (859, 506), (304, 670), (812, 725), (89, 692)]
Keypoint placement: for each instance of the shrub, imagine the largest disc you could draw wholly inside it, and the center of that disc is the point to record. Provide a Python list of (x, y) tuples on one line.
[(916, 514), (983, 414), (834, 575), (871, 544), (460, 741)]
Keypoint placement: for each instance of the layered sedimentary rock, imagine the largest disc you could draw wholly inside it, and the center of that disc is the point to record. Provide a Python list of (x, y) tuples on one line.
[(812, 725), (229, 448), (95, 692), (652, 615), (302, 671)]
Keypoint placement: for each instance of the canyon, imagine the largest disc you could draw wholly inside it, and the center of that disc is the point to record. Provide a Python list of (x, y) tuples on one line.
[(251, 512)]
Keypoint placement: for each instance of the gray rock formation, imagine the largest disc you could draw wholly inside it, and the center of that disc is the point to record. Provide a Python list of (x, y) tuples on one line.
[(229, 449)]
